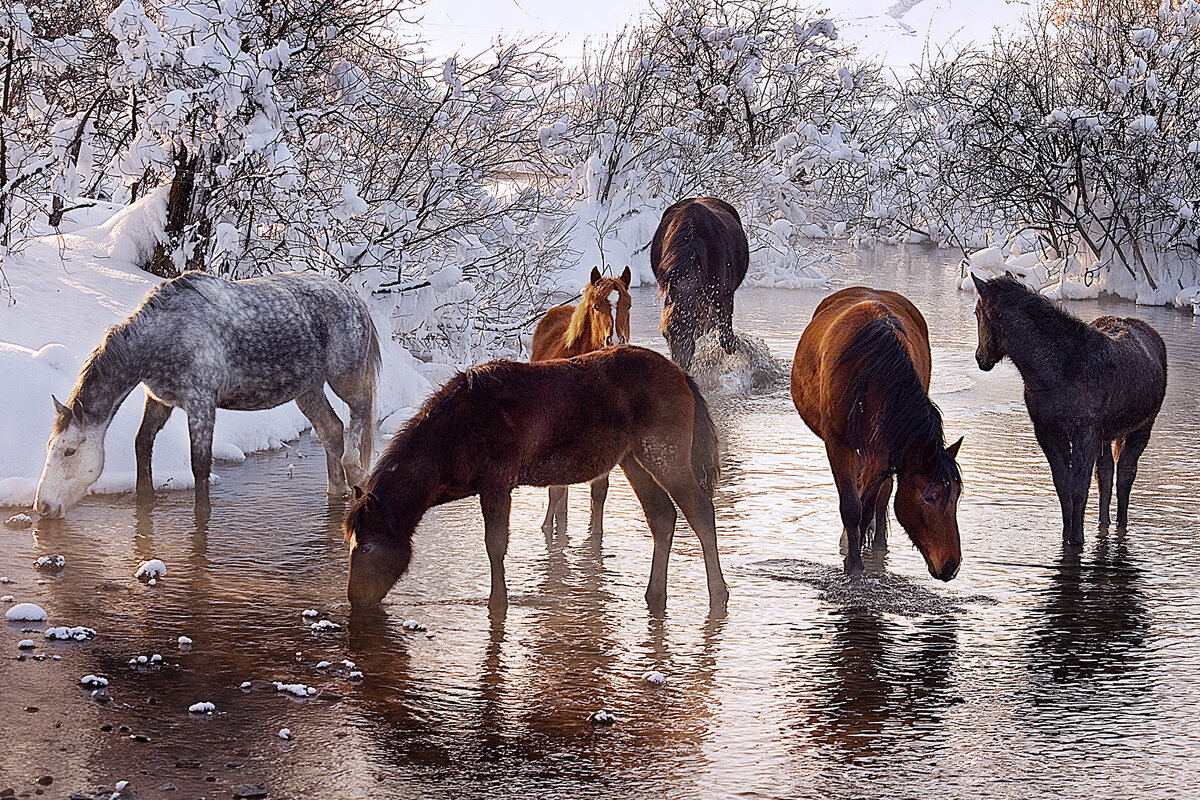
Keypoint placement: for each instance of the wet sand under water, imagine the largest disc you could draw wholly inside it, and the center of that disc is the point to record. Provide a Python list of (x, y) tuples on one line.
[(1036, 672)]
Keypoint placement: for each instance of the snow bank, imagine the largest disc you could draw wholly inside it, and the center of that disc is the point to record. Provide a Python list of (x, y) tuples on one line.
[(66, 290)]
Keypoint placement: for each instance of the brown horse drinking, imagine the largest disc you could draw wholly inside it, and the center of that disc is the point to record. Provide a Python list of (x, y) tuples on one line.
[(860, 380), (1090, 390), (601, 319), (699, 256), (506, 424)]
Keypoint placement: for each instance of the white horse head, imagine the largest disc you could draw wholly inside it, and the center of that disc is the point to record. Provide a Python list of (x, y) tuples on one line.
[(74, 460)]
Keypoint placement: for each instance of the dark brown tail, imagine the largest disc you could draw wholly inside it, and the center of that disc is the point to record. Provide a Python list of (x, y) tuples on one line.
[(705, 456)]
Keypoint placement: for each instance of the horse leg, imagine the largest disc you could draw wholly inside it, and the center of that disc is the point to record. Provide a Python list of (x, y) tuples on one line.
[(1084, 451), (697, 508), (355, 452), (1104, 480), (200, 430), (315, 406), (557, 501), (881, 515), (496, 505), (154, 416), (1055, 445), (596, 521), (1131, 449), (661, 516)]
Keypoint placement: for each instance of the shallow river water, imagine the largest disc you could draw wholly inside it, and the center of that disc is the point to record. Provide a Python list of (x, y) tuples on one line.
[(1036, 672)]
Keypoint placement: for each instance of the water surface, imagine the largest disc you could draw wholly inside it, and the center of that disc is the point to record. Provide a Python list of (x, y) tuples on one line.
[(1036, 672)]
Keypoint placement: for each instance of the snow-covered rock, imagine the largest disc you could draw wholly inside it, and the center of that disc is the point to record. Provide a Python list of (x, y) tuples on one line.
[(78, 634), (26, 612), (150, 570), (202, 708)]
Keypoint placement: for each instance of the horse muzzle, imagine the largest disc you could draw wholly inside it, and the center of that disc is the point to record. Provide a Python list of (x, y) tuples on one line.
[(985, 364), (949, 570), (48, 509)]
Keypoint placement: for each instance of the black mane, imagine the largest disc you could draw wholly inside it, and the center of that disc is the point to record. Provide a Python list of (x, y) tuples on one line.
[(1010, 295), (910, 423)]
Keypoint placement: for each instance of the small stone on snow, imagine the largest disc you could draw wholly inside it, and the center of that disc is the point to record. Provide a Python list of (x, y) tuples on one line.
[(184, 641), (325, 625), (655, 678), (25, 644), (202, 708), (8, 598), (309, 612), (285, 733), (413, 625), (94, 680), (602, 717)]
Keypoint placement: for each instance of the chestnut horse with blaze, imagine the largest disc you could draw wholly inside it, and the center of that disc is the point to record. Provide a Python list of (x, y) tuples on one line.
[(601, 319), (506, 424), (860, 381)]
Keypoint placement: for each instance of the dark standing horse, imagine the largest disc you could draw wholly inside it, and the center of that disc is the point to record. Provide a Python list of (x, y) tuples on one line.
[(699, 256), (200, 343), (506, 424), (601, 319), (1090, 390), (860, 381)]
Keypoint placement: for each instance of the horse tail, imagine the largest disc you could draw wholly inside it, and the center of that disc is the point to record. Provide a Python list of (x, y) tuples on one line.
[(705, 456), (371, 383)]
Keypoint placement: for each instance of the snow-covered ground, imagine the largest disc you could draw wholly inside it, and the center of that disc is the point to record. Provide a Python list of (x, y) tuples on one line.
[(64, 292)]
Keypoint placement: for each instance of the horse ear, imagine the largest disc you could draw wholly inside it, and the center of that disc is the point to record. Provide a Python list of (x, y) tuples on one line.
[(1008, 274), (59, 408), (626, 277), (952, 450), (595, 274), (979, 285), (358, 492)]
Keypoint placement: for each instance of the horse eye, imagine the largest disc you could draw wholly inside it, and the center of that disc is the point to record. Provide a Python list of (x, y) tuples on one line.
[(70, 451)]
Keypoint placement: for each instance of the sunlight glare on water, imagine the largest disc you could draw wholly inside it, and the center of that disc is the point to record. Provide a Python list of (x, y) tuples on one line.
[(1035, 672)]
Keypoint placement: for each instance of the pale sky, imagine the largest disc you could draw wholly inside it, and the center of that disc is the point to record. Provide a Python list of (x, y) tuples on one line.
[(894, 30)]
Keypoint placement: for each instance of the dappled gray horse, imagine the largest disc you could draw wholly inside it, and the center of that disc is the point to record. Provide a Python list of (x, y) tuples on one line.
[(200, 343)]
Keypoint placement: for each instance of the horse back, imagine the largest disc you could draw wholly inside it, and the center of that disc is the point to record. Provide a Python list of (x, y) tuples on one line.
[(820, 389), (700, 239), (551, 331), (566, 421), (1132, 373)]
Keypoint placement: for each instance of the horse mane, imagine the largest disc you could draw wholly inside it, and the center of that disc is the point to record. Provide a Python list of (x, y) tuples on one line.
[(579, 318), (1010, 294), (909, 421)]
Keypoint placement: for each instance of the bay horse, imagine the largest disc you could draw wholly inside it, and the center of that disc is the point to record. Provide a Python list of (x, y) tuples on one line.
[(1091, 390), (506, 424), (860, 380), (699, 255), (601, 319), (199, 342)]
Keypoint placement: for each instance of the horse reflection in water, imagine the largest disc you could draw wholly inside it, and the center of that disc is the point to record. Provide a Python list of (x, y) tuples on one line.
[(878, 690), (600, 320), (508, 424)]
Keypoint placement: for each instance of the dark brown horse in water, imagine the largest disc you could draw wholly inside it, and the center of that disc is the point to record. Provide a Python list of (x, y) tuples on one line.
[(860, 380), (601, 319), (699, 256), (506, 424), (1091, 390)]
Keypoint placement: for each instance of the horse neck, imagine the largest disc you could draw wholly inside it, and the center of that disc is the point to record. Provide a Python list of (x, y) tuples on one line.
[(407, 478), (110, 374), (1040, 344)]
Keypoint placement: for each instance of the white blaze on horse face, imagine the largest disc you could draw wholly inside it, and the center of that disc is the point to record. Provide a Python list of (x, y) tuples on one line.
[(74, 461), (614, 300)]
